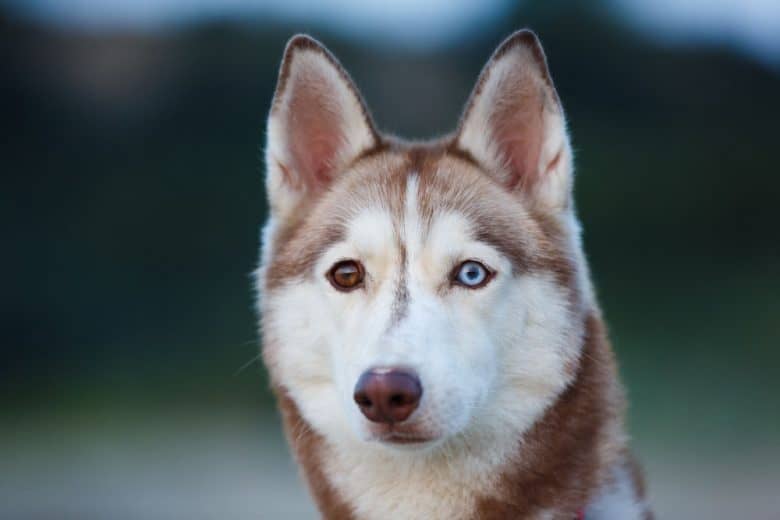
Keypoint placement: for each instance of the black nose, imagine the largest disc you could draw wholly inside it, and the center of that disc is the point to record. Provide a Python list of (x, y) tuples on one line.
[(388, 395)]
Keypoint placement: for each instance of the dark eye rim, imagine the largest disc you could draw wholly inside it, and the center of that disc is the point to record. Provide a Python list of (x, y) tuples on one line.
[(488, 277), (330, 275)]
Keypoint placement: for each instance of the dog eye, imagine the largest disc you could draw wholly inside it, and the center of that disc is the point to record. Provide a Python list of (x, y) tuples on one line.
[(472, 274), (346, 275)]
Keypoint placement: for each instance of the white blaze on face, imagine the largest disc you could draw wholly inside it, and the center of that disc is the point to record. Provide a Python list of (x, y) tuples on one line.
[(497, 353), (436, 334)]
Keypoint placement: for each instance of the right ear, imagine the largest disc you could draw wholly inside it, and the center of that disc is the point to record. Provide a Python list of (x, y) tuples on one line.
[(514, 125), (317, 126)]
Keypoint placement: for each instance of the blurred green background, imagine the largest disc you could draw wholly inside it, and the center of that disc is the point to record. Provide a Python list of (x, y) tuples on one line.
[(132, 198)]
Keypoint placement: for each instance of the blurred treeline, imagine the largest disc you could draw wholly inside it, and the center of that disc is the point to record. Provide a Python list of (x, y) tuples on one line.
[(132, 198)]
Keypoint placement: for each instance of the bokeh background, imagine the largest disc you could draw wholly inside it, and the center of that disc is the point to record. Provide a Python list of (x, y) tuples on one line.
[(132, 197)]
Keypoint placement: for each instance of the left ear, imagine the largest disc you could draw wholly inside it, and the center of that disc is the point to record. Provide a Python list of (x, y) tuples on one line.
[(317, 126), (514, 126)]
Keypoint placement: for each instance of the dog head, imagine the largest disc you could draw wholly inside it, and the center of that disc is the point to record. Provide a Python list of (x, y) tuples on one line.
[(416, 293)]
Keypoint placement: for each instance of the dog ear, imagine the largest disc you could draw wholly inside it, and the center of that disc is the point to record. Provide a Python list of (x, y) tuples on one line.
[(318, 124), (514, 126)]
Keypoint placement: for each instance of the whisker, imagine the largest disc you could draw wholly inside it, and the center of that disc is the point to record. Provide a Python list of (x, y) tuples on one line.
[(247, 364)]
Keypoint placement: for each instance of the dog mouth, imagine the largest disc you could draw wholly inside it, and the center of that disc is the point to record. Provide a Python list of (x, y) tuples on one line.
[(397, 438), (398, 435)]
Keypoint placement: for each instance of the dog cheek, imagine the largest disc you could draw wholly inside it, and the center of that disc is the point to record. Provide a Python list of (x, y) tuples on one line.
[(295, 331), (475, 360)]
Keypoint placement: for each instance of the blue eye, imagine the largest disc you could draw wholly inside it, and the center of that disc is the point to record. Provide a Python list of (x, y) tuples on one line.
[(472, 274)]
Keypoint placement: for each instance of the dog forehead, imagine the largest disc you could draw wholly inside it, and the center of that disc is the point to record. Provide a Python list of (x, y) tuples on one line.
[(394, 200), (421, 204), (372, 230), (377, 229)]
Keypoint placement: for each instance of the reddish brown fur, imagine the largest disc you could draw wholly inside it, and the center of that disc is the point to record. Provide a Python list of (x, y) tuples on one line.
[(565, 458), (307, 445), (515, 234), (560, 461), (637, 480), (320, 222), (559, 465)]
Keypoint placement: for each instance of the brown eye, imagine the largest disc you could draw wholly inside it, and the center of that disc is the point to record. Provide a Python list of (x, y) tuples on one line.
[(346, 275)]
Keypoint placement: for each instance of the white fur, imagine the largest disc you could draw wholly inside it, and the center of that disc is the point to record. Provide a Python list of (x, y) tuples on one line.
[(490, 361), (618, 500)]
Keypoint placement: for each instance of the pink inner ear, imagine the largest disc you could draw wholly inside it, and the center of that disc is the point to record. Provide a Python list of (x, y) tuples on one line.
[(314, 133), (518, 127)]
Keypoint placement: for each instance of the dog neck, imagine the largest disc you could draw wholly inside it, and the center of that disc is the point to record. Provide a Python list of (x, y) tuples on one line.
[(566, 461)]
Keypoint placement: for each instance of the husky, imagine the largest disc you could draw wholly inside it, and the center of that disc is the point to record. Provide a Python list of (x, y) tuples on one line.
[(428, 319)]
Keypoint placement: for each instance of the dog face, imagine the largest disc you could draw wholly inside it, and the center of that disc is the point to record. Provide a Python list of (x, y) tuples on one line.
[(414, 294)]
